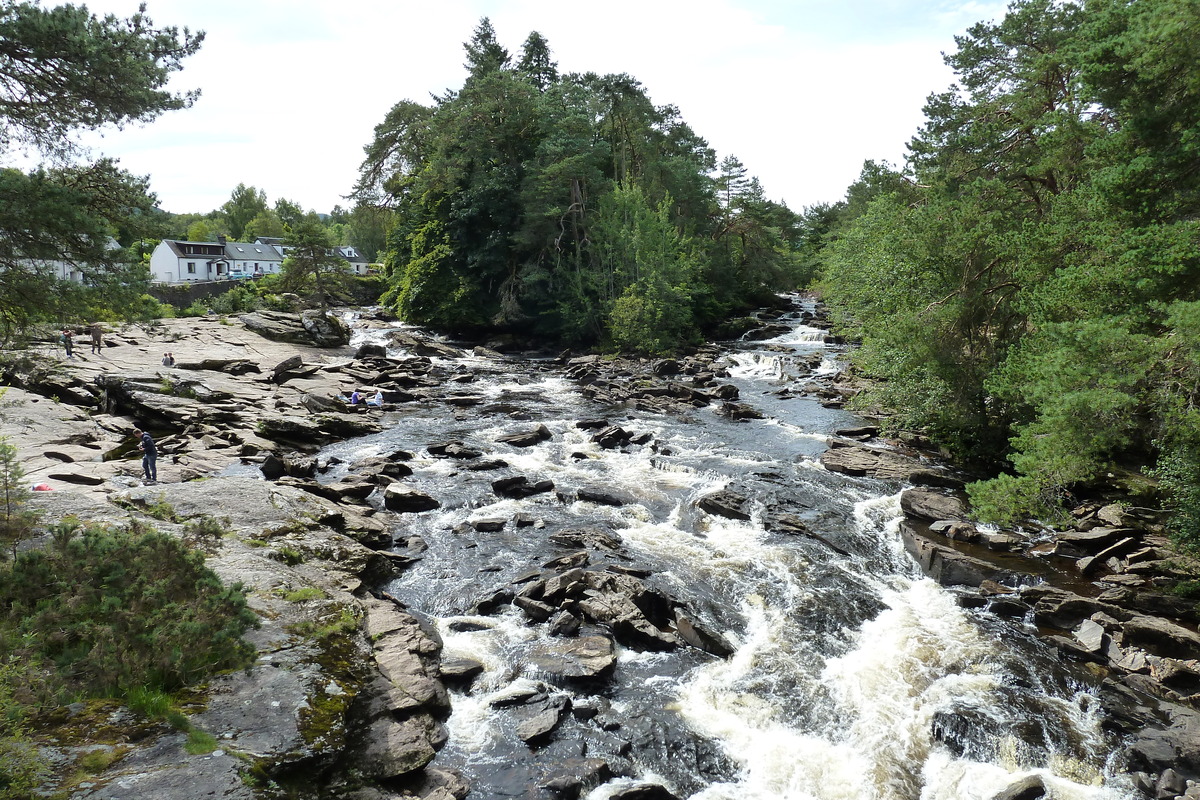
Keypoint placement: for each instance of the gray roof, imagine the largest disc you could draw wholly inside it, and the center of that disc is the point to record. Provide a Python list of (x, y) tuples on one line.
[(252, 251)]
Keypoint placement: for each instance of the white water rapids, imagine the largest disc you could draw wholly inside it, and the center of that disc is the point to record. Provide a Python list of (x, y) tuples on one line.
[(845, 667)]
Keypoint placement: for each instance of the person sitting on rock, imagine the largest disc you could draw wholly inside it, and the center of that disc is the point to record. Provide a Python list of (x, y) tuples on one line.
[(355, 397), (377, 400)]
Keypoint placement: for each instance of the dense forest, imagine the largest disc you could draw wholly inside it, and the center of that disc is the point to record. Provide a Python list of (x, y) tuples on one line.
[(569, 206), (1028, 286)]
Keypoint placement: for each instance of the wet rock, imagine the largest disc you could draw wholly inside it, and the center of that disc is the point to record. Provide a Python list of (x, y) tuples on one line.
[(856, 460), (739, 411), (310, 327), (537, 728), (489, 524), (1027, 788), (611, 437), (574, 776), (598, 497), (585, 657), (485, 466), (453, 450), (518, 486), (929, 505), (699, 638), (1065, 610), (422, 346), (643, 791), (460, 672), (370, 350), (1091, 541), (393, 749), (1090, 635), (950, 567), (1161, 637), (860, 432), (725, 504), (526, 438), (397, 497), (563, 624)]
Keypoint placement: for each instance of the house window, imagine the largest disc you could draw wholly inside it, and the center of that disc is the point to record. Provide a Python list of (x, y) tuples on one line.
[(191, 267)]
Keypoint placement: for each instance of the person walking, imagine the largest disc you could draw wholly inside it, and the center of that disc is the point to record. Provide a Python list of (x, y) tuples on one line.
[(97, 337), (149, 456)]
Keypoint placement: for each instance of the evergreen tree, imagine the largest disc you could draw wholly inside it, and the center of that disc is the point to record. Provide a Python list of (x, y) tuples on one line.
[(62, 70)]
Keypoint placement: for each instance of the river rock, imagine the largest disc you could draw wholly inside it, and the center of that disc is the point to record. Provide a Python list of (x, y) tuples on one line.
[(310, 327), (725, 504), (853, 459), (643, 791), (526, 438), (398, 497), (453, 450), (585, 657), (537, 728), (1028, 788), (929, 505), (1161, 637), (518, 486), (950, 567)]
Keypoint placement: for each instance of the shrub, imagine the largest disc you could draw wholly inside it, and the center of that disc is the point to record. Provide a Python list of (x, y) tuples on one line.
[(115, 610)]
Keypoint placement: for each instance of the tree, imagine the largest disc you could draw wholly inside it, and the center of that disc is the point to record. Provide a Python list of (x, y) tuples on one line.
[(311, 263), (63, 70), (485, 55), (243, 205), (535, 64), (289, 213), (265, 223), (16, 522)]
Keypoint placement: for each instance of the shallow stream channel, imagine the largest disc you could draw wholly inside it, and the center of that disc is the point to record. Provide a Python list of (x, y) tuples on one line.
[(849, 675)]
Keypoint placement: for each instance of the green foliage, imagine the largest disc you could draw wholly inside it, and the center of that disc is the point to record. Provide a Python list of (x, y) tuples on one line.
[(306, 593), (207, 527), (63, 70), (16, 521), (310, 264), (199, 742), (533, 201), (115, 611), (1030, 289)]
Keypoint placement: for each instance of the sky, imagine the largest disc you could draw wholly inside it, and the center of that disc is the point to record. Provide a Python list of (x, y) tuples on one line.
[(801, 91)]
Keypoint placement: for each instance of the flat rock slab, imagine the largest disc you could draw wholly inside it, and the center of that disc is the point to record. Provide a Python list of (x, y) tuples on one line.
[(870, 462), (585, 657)]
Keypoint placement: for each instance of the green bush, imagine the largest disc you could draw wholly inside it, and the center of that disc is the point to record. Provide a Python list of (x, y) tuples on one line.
[(115, 610), (196, 309)]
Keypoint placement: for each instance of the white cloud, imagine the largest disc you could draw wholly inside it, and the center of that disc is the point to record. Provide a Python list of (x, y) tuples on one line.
[(801, 92)]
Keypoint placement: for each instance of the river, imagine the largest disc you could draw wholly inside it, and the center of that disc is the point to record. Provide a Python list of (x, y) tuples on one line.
[(853, 676)]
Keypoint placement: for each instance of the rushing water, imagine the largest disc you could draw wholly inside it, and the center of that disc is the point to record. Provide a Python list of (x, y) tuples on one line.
[(853, 676)]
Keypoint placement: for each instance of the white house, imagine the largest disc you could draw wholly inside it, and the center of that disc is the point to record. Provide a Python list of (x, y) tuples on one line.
[(358, 264), (176, 261)]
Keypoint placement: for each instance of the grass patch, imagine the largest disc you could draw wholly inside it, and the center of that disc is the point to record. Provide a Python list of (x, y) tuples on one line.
[(290, 555), (300, 595), (200, 743), (96, 761)]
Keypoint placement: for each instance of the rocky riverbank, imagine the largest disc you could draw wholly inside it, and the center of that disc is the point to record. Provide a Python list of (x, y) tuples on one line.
[(349, 693)]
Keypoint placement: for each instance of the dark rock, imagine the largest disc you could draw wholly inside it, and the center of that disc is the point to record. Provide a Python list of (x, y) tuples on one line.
[(460, 672), (564, 624), (518, 486), (598, 497), (857, 460), (611, 437), (538, 728), (584, 657), (489, 524), (526, 438), (739, 411), (370, 350), (950, 567), (272, 467), (1027, 788), (398, 497), (485, 466), (860, 432), (590, 538), (725, 504), (930, 505), (643, 791), (1161, 637), (453, 450), (701, 639)]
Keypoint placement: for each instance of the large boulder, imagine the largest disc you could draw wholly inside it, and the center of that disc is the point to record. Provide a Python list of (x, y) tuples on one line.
[(930, 505), (585, 657), (312, 327), (854, 459), (398, 497)]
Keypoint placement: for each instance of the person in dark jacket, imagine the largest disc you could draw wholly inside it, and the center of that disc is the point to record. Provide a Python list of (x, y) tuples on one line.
[(149, 455)]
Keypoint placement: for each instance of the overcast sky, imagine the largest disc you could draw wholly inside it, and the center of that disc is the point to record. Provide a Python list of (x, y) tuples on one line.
[(802, 91)]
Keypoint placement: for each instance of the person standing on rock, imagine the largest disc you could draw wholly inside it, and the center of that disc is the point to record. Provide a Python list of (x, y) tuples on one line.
[(97, 337), (149, 456), (68, 344), (168, 360)]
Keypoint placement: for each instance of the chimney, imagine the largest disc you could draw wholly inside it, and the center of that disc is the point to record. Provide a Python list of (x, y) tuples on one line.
[(221, 239)]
